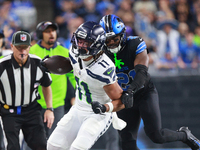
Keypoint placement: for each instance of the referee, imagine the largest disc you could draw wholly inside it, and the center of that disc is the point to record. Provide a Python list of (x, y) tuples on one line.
[(20, 76)]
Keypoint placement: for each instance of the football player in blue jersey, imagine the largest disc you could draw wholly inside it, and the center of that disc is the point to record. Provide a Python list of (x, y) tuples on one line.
[(131, 59)]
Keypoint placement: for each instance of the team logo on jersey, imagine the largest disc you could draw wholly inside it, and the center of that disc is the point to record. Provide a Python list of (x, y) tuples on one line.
[(79, 72), (23, 37), (118, 62), (109, 72)]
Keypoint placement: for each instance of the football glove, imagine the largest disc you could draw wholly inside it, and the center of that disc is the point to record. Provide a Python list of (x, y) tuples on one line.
[(127, 99), (98, 108)]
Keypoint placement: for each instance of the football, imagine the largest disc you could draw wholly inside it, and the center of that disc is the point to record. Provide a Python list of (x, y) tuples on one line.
[(58, 64)]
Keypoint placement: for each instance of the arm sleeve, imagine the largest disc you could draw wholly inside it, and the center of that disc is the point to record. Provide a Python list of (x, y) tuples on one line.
[(141, 78), (46, 80)]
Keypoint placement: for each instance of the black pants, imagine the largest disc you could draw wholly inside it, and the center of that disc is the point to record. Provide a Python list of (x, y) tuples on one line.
[(59, 112), (31, 123), (146, 106)]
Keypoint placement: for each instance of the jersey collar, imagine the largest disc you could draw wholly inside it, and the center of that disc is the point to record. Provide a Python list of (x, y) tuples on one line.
[(54, 46), (16, 65)]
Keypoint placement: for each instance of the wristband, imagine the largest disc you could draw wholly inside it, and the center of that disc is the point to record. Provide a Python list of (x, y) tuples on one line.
[(111, 107), (51, 108)]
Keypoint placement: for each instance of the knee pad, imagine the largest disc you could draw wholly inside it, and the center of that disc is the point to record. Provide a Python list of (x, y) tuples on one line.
[(92, 126), (156, 136)]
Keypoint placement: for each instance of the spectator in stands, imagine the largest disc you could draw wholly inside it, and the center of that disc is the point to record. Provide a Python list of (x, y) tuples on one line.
[(182, 14), (188, 53), (165, 7), (34, 38), (147, 5), (27, 13), (145, 27), (106, 7), (88, 11), (125, 12), (73, 24), (167, 44), (183, 29), (8, 17), (4, 50), (125, 6), (67, 7), (197, 35)]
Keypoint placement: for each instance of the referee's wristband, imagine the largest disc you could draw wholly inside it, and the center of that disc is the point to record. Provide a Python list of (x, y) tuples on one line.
[(111, 107), (51, 108)]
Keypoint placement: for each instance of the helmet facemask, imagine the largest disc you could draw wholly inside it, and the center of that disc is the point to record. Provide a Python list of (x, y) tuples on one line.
[(88, 40), (113, 27), (116, 47), (80, 50), (88, 48)]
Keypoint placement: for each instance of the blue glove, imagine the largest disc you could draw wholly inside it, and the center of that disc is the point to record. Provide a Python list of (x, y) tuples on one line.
[(98, 108), (127, 99)]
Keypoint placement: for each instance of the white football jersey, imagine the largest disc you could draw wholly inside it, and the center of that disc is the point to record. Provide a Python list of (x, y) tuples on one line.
[(91, 79)]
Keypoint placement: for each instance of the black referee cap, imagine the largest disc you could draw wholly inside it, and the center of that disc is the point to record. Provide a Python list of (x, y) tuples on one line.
[(21, 38)]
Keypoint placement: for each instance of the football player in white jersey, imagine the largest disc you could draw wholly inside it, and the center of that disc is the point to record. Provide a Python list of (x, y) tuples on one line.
[(98, 94)]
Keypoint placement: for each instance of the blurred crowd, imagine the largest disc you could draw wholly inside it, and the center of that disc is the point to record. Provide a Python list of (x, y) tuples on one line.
[(170, 28)]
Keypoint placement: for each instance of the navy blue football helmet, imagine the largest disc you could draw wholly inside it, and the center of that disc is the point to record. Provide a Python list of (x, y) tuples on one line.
[(113, 27), (92, 33)]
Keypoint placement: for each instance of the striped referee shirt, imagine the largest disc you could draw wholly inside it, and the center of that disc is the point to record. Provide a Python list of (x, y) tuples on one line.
[(18, 85)]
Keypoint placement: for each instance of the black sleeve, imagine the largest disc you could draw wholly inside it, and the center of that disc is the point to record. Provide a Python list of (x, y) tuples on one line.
[(46, 79), (141, 78)]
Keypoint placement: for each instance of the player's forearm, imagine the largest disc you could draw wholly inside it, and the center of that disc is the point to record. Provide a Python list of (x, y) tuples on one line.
[(141, 78), (117, 105), (47, 92)]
